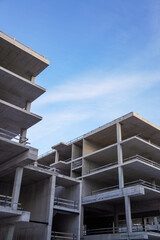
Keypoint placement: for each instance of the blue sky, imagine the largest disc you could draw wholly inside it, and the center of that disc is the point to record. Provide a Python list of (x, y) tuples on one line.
[(104, 61)]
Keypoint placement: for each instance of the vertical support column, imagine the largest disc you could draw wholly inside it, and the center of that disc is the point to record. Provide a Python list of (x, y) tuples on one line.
[(10, 232), (115, 221), (33, 79), (144, 220), (128, 213), (50, 206), (23, 136), (80, 211), (120, 155), (28, 106), (82, 221), (56, 156), (17, 187)]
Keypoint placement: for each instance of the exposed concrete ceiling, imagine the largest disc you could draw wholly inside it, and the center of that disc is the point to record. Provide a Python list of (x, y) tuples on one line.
[(136, 145), (10, 149), (20, 59), (63, 149), (47, 158), (13, 118), (104, 156), (135, 170), (17, 90)]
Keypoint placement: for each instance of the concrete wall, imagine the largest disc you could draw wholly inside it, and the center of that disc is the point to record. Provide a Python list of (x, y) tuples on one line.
[(38, 199), (30, 231)]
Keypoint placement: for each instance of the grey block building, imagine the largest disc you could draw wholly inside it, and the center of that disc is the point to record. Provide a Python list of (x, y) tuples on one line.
[(104, 185)]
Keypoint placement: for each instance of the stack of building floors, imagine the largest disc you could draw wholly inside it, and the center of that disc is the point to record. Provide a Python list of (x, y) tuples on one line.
[(27, 190), (119, 166), (102, 185)]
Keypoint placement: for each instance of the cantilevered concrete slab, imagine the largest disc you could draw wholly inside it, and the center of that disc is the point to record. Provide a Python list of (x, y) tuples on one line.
[(16, 89), (19, 58), (6, 212), (20, 160), (10, 149), (13, 118)]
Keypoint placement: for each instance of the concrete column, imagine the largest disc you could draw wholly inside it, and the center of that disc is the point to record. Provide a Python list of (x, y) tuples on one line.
[(33, 79), (155, 220), (56, 156), (51, 193), (10, 232), (115, 221), (28, 106), (128, 214), (80, 211), (16, 187), (120, 155), (82, 221), (144, 224), (23, 135)]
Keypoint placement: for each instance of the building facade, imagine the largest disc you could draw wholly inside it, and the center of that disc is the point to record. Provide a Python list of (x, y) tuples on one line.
[(118, 165), (27, 189)]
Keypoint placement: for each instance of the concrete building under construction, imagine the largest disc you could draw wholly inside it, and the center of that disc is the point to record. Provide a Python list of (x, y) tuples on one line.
[(104, 185)]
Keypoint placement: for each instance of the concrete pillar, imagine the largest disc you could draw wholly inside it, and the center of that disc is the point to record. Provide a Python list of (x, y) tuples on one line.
[(155, 221), (33, 79), (115, 221), (82, 221), (35, 163), (10, 232), (16, 187), (128, 214), (28, 106), (120, 155), (23, 136), (80, 211), (51, 193), (56, 156), (144, 224)]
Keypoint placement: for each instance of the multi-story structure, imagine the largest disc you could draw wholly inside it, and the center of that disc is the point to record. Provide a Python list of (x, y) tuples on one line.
[(105, 183), (119, 166), (27, 189)]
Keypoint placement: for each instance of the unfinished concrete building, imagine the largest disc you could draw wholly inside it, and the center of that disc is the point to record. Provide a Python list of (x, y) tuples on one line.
[(118, 165), (102, 185), (28, 191)]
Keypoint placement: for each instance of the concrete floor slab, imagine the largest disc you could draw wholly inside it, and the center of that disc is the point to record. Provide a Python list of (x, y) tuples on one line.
[(19, 58), (13, 118), (17, 90)]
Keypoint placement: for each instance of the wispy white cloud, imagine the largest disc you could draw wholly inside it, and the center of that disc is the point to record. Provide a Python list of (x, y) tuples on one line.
[(94, 86), (94, 99)]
